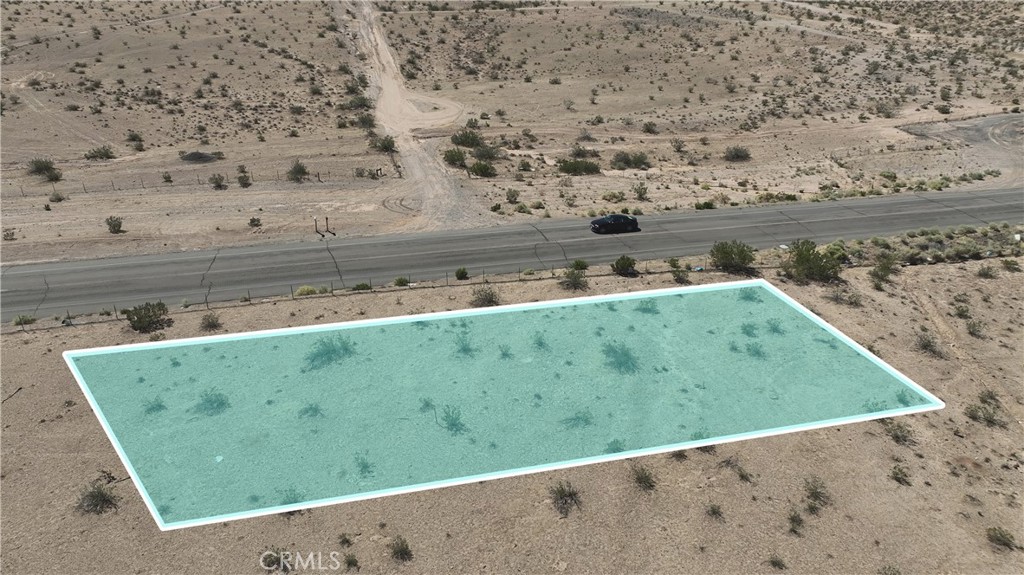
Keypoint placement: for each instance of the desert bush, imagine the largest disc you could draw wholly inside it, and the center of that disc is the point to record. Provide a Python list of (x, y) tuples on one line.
[(575, 167), (900, 475), (737, 154), (255, 222), (680, 276), (564, 497), (641, 192), (400, 549), (574, 280), (24, 320), (244, 180), (484, 296), (579, 265), (210, 322), (927, 343), (483, 170), (732, 256), (57, 197), (455, 157), (401, 281), (298, 172), (1001, 537), (97, 498), (625, 266), (304, 291), (167, 177), (101, 153), (218, 181), (625, 160), (385, 144), (987, 272), (148, 317), (486, 153), (805, 263), (467, 138), (643, 478), (114, 224), (39, 166), (512, 195), (649, 128), (706, 205), (461, 274), (365, 121)]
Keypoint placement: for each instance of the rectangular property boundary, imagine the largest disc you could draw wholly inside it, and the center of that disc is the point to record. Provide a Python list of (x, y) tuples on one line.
[(934, 403)]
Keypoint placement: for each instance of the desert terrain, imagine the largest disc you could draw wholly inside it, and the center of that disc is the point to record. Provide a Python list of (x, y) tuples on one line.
[(562, 110), (647, 99), (923, 494)]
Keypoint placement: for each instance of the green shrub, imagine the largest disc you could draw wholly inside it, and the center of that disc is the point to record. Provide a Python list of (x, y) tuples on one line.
[(579, 265), (625, 266), (40, 166), (400, 549), (455, 157), (362, 287), (24, 320), (218, 181), (1001, 537), (210, 322), (401, 281), (244, 180), (483, 170), (148, 317), (643, 478), (625, 160), (484, 296), (732, 256), (97, 498), (304, 291), (987, 272), (707, 205), (574, 280), (927, 343), (564, 497), (680, 276), (467, 138), (298, 172), (575, 167), (101, 153), (1010, 265), (461, 274), (806, 263), (737, 154), (255, 222), (114, 224)]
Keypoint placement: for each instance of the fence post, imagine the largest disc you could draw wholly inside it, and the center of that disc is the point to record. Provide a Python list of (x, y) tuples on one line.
[(332, 287), (112, 186), (445, 278), (291, 291), (83, 188), (115, 312)]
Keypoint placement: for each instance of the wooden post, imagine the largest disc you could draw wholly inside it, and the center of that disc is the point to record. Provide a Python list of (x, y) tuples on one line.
[(112, 185), (83, 188)]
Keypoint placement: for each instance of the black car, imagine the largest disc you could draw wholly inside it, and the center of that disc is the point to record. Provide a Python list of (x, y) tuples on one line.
[(615, 223)]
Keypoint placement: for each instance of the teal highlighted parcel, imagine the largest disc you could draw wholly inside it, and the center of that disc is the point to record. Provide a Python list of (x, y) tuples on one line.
[(227, 427)]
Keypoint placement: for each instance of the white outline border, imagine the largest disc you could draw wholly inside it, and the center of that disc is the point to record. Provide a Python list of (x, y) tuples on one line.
[(70, 355)]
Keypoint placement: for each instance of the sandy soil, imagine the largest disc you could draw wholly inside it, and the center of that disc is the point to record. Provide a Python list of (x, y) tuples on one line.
[(817, 95), (965, 477)]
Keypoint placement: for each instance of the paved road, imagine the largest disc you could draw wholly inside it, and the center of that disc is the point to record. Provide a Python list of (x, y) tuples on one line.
[(89, 286)]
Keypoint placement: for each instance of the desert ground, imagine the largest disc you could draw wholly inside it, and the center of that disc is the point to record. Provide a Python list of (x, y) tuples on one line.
[(129, 109), (730, 510), (829, 101)]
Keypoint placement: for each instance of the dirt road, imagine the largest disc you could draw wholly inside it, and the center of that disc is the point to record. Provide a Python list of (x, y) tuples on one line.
[(428, 187)]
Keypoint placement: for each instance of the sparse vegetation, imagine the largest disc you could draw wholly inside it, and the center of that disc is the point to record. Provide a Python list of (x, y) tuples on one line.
[(400, 549), (574, 280), (625, 266), (298, 172), (97, 499), (642, 477), (733, 257), (114, 224), (564, 497), (210, 322), (484, 296), (148, 317)]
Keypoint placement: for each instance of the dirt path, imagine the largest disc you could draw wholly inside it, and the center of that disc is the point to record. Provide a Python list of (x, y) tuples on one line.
[(441, 199)]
